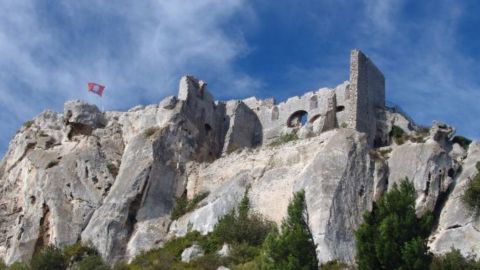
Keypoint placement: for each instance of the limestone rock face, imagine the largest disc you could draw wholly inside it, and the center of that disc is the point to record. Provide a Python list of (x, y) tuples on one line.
[(428, 166), (110, 179), (457, 227), (334, 170), (50, 185)]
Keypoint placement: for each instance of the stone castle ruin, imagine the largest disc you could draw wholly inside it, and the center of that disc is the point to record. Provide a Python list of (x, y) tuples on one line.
[(111, 179), (355, 104)]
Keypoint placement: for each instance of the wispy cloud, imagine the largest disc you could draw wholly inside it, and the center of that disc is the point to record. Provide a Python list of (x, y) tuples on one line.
[(427, 71), (49, 50)]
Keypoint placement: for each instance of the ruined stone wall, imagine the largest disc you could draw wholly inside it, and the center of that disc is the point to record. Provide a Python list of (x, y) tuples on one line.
[(365, 94), (237, 124), (207, 116), (284, 117)]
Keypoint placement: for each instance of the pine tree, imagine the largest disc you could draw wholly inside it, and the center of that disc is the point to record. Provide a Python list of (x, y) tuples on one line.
[(292, 248), (392, 237)]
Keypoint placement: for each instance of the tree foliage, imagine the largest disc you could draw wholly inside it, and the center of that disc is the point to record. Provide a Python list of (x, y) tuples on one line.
[(471, 197), (242, 226), (292, 248), (454, 260), (49, 258), (392, 237)]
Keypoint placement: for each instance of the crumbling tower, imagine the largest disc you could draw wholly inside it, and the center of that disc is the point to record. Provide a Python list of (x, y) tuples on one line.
[(365, 94)]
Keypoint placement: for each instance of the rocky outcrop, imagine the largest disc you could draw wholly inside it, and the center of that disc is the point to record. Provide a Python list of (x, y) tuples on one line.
[(458, 228), (110, 179), (334, 169)]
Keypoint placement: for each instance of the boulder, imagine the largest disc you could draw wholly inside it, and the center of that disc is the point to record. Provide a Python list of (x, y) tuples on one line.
[(224, 251), (79, 112), (191, 253)]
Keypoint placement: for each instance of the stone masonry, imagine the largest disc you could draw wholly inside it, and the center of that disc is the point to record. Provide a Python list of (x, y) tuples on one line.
[(352, 104)]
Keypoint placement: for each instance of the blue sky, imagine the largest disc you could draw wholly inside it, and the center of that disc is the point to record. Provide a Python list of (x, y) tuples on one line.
[(427, 50)]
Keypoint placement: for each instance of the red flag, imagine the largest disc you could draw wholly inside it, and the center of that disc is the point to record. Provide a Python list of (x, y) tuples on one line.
[(96, 88)]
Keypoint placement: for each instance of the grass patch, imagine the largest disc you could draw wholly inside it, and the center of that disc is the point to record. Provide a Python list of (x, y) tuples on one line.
[(284, 138), (52, 164), (462, 141), (398, 135), (183, 205), (343, 125), (18, 266)]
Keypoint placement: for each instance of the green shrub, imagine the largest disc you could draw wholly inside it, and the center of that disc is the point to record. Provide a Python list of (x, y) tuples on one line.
[(49, 258), (82, 257), (462, 141), (344, 125), (454, 260), (209, 261), (183, 205), (3, 266), (334, 265), (391, 236), (471, 196), (398, 135), (243, 253), (121, 266), (18, 266), (91, 262), (242, 226), (293, 248), (112, 169), (254, 264), (284, 138)]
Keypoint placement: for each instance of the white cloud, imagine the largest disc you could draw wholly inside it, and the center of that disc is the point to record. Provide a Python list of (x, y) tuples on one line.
[(138, 49)]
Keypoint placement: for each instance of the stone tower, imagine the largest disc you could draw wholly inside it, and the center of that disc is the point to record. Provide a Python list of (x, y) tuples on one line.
[(365, 94)]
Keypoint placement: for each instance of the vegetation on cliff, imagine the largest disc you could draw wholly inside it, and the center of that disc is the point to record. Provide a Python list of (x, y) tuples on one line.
[(293, 247), (471, 196)]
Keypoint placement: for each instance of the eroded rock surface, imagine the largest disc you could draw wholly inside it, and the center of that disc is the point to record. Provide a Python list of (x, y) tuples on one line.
[(110, 179), (457, 227), (334, 170)]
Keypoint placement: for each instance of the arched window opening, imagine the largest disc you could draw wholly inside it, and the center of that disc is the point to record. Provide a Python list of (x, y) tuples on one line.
[(297, 119)]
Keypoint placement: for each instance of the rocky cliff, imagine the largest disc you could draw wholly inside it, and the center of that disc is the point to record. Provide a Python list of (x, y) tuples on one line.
[(110, 179)]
